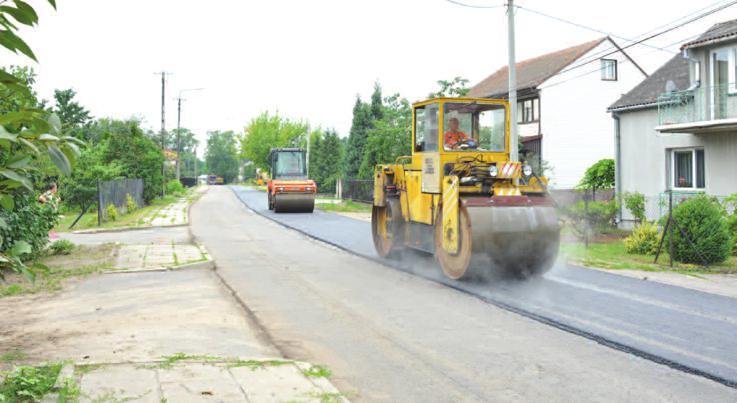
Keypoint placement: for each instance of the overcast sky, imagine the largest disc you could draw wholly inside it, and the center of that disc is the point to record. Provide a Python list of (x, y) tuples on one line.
[(307, 59)]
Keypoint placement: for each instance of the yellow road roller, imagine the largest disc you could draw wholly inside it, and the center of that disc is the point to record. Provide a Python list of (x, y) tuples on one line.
[(460, 197)]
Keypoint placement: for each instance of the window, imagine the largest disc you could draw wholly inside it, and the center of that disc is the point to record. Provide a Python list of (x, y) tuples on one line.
[(474, 127), (609, 69), (289, 165), (696, 69), (528, 111), (688, 169), (426, 128)]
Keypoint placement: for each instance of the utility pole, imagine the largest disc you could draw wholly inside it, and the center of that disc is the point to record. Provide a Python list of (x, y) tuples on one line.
[(179, 134), (163, 129), (513, 139), (308, 150)]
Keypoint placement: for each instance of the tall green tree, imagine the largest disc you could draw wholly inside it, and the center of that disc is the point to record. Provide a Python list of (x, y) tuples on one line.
[(267, 131), (221, 155), (389, 137), (326, 154), (456, 87), (72, 114), (357, 138)]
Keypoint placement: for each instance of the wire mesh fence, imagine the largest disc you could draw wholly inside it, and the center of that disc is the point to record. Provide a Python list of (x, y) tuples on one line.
[(361, 190), (116, 193)]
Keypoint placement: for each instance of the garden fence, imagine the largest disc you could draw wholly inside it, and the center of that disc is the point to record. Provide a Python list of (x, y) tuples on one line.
[(116, 192), (361, 190)]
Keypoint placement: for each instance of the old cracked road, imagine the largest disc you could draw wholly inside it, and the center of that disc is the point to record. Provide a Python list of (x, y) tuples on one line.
[(388, 335)]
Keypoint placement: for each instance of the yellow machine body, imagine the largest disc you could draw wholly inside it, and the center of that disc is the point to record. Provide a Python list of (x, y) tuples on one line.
[(457, 198)]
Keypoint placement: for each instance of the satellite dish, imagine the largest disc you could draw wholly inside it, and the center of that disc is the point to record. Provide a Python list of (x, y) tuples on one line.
[(670, 86)]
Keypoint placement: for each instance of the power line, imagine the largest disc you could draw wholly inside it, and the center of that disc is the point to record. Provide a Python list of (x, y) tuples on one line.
[(459, 3)]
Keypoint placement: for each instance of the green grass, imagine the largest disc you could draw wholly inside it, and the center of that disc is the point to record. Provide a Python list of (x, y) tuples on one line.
[(13, 356), (317, 371), (140, 217), (83, 261), (31, 384), (611, 255), (346, 206), (256, 364)]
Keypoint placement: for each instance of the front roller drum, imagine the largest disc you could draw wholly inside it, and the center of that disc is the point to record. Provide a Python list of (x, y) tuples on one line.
[(387, 229), (455, 265), (294, 203)]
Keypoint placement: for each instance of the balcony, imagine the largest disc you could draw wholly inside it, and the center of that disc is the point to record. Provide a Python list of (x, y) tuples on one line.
[(706, 109)]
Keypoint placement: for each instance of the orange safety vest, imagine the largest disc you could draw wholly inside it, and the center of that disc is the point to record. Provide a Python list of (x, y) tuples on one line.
[(453, 138)]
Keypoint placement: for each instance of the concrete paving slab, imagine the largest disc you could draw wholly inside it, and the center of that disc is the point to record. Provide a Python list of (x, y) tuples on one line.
[(199, 382), (120, 383), (177, 235), (280, 383)]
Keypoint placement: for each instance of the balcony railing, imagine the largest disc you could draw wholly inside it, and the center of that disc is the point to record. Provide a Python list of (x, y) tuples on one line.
[(702, 104)]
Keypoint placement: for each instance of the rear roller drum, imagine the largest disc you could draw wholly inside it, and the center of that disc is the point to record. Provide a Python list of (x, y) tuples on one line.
[(455, 266), (386, 228)]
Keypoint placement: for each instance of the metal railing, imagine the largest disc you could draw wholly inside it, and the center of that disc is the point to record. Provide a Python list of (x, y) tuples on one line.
[(697, 105), (361, 190)]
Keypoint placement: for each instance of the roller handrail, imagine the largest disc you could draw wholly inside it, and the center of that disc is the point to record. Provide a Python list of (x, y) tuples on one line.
[(402, 157)]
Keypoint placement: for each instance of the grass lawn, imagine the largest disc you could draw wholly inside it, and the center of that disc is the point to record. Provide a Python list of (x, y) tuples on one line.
[(345, 206), (139, 217), (611, 255), (82, 261)]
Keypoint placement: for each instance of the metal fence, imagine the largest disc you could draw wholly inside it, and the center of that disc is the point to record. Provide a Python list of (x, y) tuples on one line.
[(116, 192), (361, 190)]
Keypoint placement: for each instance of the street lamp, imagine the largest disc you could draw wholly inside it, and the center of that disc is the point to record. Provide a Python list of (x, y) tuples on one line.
[(179, 119)]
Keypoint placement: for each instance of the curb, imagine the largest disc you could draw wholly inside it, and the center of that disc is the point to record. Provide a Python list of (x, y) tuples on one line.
[(200, 265), (123, 229)]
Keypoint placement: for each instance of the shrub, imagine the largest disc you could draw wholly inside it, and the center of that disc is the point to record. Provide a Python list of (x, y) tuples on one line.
[(732, 225), (62, 247), (130, 203), (635, 203), (643, 240), (112, 212), (174, 187), (27, 221), (702, 219)]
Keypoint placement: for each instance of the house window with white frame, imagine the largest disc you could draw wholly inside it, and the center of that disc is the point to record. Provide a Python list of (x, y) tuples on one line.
[(687, 169), (528, 111), (609, 69)]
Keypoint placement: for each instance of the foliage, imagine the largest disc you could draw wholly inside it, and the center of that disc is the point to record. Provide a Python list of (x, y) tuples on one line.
[(221, 155), (457, 87), (702, 220), (72, 114), (730, 206), (28, 221), (635, 203), (29, 384), (598, 176), (174, 187), (389, 137), (597, 216), (130, 203), (357, 138), (326, 154), (270, 131), (62, 247), (112, 212), (643, 240)]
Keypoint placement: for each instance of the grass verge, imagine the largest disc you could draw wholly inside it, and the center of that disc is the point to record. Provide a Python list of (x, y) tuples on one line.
[(345, 206), (82, 261), (31, 384), (611, 255)]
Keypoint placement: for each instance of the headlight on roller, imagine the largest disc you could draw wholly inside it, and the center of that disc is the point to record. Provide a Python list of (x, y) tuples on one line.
[(493, 171), (526, 170)]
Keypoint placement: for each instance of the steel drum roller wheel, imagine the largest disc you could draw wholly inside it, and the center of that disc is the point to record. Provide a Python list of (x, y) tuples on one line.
[(455, 266), (386, 228)]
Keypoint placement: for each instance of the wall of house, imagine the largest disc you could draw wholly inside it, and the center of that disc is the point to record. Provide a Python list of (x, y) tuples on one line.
[(644, 162), (575, 124)]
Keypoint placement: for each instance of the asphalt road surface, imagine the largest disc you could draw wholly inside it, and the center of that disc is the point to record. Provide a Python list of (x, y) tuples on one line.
[(390, 335)]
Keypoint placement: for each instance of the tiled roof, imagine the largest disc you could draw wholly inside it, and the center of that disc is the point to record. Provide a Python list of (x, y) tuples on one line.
[(719, 32), (646, 93), (531, 72)]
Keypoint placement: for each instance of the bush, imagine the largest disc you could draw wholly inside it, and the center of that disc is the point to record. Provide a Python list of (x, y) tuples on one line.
[(62, 247), (732, 225), (28, 221), (112, 212), (174, 187), (635, 203), (643, 240), (130, 204), (702, 219)]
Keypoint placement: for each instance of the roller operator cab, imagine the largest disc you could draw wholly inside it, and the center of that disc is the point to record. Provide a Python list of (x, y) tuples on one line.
[(289, 189), (460, 197)]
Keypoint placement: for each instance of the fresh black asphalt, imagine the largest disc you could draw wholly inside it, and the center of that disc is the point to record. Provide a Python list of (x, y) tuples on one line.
[(686, 329)]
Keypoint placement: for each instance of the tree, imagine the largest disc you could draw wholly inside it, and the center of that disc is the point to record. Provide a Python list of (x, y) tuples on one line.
[(221, 155), (326, 153), (357, 138), (389, 137), (598, 176), (270, 131), (451, 88), (72, 114)]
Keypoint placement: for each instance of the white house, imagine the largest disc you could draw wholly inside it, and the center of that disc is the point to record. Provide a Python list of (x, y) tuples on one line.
[(677, 130), (562, 104)]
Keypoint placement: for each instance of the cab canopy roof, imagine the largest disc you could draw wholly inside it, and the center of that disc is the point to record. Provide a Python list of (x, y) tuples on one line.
[(285, 150)]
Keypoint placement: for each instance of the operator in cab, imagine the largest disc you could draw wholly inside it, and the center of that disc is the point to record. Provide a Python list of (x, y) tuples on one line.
[(454, 138)]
